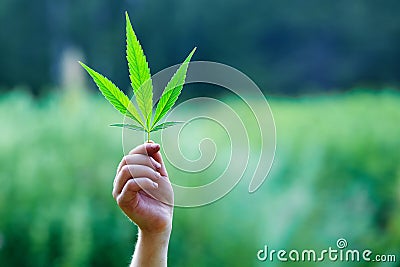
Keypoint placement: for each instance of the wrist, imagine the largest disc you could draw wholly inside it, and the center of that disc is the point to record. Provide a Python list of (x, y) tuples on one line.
[(151, 249), (158, 237)]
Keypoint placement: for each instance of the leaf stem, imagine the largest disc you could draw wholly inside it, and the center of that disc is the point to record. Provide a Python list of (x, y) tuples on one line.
[(148, 136)]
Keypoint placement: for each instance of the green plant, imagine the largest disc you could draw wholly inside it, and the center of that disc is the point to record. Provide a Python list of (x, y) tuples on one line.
[(141, 82)]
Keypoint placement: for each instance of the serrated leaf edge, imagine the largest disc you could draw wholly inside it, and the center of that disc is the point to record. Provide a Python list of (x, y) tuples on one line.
[(128, 126), (174, 86), (120, 99), (165, 125), (139, 73)]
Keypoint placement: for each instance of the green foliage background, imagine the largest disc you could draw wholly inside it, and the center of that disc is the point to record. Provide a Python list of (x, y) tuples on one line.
[(336, 174)]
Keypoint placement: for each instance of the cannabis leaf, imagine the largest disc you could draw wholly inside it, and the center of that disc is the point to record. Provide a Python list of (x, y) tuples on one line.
[(140, 76), (172, 91), (139, 73), (129, 126), (165, 125), (139, 128), (115, 96)]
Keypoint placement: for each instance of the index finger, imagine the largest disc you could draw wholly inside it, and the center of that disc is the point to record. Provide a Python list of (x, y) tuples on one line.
[(158, 158)]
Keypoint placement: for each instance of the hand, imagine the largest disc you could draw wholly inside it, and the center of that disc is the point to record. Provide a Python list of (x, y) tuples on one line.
[(143, 191)]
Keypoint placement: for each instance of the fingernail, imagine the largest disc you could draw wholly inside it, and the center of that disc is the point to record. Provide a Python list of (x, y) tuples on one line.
[(155, 163), (155, 185), (157, 175)]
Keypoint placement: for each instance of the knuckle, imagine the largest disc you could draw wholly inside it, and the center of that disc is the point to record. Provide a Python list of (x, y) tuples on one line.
[(125, 159), (128, 159), (125, 169), (156, 175), (119, 201), (131, 184)]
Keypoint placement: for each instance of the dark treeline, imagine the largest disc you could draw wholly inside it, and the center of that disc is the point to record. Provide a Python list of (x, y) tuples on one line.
[(286, 47)]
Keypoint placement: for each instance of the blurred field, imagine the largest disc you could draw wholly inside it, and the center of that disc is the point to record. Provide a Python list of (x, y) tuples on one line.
[(336, 174)]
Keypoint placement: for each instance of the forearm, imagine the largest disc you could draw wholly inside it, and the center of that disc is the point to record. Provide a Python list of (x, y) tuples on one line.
[(151, 250)]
